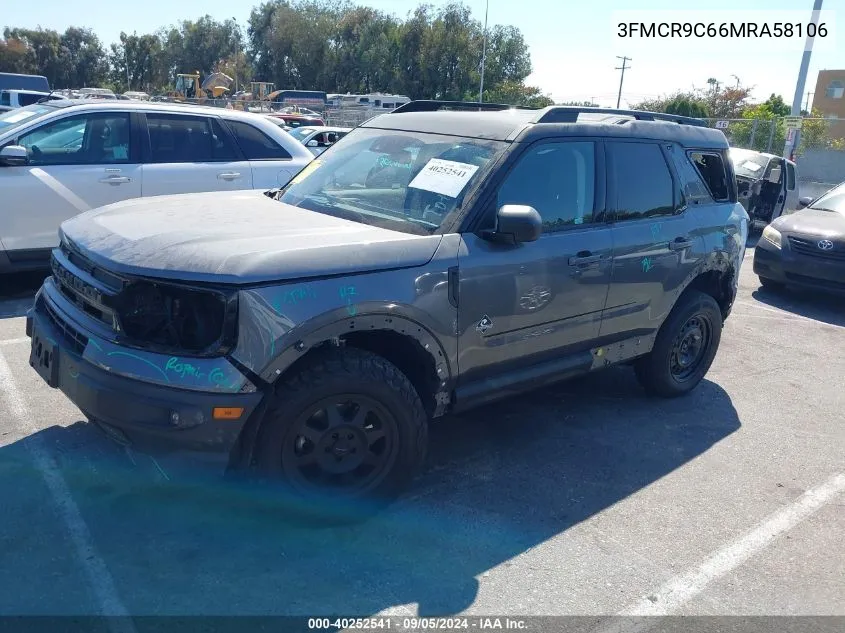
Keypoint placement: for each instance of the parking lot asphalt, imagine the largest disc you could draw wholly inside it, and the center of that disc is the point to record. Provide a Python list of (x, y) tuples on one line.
[(584, 498)]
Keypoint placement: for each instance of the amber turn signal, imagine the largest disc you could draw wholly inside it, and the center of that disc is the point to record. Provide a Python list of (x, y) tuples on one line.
[(227, 413)]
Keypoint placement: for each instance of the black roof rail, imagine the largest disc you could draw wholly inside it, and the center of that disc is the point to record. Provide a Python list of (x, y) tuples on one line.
[(431, 105), (569, 114)]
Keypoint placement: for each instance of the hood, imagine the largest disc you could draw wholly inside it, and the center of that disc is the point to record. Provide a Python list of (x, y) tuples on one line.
[(236, 237), (812, 222)]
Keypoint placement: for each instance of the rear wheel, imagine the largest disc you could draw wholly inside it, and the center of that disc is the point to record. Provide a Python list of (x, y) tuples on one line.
[(684, 348), (347, 433)]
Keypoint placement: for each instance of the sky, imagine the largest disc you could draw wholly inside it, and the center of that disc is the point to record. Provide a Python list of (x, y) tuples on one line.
[(572, 43)]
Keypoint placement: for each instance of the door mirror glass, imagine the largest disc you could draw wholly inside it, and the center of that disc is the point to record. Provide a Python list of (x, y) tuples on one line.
[(13, 155), (313, 143), (804, 201), (515, 223)]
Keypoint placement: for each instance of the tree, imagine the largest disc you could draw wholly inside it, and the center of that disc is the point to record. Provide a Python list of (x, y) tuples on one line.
[(584, 104), (16, 56), (686, 106), (814, 132), (513, 93), (44, 45), (83, 59), (139, 58)]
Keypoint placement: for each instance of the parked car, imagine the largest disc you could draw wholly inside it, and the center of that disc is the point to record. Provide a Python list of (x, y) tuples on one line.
[(806, 248), (63, 157), (307, 335), (12, 99), (298, 117), (767, 185), (319, 139), (140, 96)]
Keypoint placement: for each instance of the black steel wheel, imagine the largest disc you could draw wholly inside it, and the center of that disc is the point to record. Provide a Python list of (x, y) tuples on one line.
[(346, 443), (346, 431), (685, 346)]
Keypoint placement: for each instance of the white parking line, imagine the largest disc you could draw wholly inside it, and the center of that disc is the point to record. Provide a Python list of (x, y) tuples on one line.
[(684, 587), (100, 578)]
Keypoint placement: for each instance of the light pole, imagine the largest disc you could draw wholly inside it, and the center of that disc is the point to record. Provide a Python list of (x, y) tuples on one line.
[(483, 53), (126, 60), (791, 143)]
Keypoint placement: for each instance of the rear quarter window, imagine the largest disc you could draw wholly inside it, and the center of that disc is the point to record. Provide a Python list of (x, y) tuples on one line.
[(710, 167), (255, 144)]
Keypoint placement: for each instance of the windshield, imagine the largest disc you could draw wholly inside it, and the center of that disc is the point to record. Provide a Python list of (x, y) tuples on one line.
[(21, 116), (748, 163), (833, 200), (301, 132), (405, 181)]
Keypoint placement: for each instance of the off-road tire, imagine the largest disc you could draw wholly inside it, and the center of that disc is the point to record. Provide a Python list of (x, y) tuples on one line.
[(344, 371), (654, 371)]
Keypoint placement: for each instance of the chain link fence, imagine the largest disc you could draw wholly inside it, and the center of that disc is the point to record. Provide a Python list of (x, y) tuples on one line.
[(769, 135)]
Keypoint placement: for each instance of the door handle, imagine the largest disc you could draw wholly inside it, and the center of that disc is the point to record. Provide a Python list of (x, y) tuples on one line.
[(228, 175), (115, 180), (680, 244), (584, 257)]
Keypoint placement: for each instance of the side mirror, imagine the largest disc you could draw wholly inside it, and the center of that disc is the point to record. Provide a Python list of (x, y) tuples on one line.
[(13, 156), (804, 201), (515, 223), (313, 143)]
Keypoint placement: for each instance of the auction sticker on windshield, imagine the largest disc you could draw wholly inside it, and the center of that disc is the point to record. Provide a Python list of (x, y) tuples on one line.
[(310, 167), (446, 177)]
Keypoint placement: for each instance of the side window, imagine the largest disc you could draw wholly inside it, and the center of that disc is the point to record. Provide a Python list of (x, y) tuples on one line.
[(711, 169), (255, 144), (5, 98), (175, 138), (558, 180), (644, 187), (93, 139), (790, 176)]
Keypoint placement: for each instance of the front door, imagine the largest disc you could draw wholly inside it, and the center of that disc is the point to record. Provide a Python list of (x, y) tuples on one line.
[(75, 163), (191, 154), (654, 246), (524, 304)]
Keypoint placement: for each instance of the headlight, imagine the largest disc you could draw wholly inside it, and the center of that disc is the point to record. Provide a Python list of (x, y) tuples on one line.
[(188, 320), (772, 236)]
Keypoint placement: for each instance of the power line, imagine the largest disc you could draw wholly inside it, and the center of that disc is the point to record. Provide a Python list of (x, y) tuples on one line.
[(625, 60)]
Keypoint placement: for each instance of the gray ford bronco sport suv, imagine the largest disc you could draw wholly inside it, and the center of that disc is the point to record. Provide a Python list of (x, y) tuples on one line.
[(436, 258)]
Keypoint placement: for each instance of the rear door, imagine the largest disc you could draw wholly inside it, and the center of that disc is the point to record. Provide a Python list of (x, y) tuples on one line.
[(272, 165), (191, 154), (654, 246), (76, 163)]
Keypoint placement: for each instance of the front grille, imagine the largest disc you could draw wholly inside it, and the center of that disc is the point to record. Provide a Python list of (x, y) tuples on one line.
[(75, 339), (87, 297), (111, 280), (810, 246)]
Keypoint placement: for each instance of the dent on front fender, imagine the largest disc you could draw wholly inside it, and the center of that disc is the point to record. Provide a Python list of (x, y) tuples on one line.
[(273, 319)]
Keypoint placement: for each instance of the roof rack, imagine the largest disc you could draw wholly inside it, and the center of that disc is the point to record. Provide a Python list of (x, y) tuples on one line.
[(569, 114), (430, 105)]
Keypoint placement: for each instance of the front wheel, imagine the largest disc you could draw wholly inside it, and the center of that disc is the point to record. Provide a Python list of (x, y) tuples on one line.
[(347, 433), (684, 348)]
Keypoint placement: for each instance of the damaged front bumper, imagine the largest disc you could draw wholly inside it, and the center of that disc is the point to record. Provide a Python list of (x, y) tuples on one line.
[(156, 403)]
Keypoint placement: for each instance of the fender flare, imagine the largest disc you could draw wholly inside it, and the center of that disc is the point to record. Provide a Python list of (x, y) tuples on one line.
[(332, 325)]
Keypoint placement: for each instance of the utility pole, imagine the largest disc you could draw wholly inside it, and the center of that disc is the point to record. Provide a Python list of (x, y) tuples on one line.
[(807, 103), (790, 144), (737, 80), (483, 53), (625, 60)]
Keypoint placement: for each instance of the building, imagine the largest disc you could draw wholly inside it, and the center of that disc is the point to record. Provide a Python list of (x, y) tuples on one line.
[(829, 99)]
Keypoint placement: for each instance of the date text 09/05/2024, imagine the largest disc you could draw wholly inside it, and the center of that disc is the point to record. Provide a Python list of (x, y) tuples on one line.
[(723, 29), (417, 624)]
